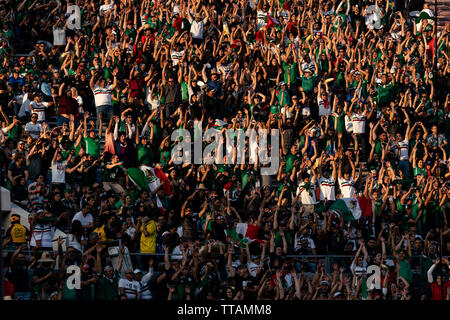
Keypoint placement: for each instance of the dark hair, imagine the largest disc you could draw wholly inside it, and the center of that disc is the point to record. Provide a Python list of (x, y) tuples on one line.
[(76, 230)]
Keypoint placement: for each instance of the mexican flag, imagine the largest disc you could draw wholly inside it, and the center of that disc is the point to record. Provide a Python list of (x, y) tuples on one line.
[(348, 207), (425, 14), (138, 178), (155, 177), (249, 232), (219, 124), (148, 178)]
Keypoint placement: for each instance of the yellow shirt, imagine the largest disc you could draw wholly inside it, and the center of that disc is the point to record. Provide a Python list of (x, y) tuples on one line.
[(148, 243), (18, 234), (101, 234)]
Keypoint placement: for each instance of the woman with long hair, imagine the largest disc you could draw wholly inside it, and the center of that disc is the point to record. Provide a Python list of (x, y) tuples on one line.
[(75, 237)]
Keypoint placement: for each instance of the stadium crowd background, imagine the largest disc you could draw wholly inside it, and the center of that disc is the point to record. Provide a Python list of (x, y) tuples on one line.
[(362, 107)]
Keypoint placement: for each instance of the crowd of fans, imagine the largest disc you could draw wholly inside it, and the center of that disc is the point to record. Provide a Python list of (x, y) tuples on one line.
[(362, 110)]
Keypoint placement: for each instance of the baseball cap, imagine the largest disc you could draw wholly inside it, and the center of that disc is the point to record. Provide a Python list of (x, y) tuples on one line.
[(165, 233), (107, 268), (136, 271)]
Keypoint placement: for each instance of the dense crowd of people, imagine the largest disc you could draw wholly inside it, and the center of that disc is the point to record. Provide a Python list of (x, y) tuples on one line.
[(91, 92)]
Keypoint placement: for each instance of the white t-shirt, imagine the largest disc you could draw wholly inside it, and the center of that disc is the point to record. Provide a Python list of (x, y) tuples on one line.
[(25, 107), (105, 8), (307, 197), (197, 28), (3, 133), (130, 288), (348, 124), (102, 96), (39, 109), (59, 37), (80, 104), (253, 268), (71, 241), (297, 242), (322, 109), (59, 172), (176, 56), (34, 129), (261, 19), (404, 149), (327, 188), (359, 122), (85, 221), (144, 286), (288, 113), (44, 233), (347, 188)]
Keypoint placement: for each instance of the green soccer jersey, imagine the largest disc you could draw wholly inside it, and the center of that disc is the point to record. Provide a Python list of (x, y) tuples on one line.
[(290, 70), (93, 146), (385, 93), (144, 154), (308, 83)]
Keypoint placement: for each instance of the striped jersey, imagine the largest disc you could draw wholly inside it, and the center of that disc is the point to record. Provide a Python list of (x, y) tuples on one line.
[(39, 109), (102, 96), (144, 286), (42, 233), (261, 17), (327, 188), (359, 122), (404, 149), (176, 56), (347, 187), (130, 288)]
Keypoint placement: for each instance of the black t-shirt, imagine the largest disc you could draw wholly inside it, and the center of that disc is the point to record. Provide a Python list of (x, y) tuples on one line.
[(19, 277), (3, 96), (249, 282), (16, 170), (113, 174)]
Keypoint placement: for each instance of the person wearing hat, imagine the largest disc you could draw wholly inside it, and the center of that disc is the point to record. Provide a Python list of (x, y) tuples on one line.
[(307, 191), (91, 140), (88, 283), (17, 234), (21, 148), (197, 25), (129, 288), (43, 274), (307, 76), (144, 283)]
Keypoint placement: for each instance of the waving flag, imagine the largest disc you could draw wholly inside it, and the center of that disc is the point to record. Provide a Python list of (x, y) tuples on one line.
[(249, 232), (347, 207), (271, 21), (138, 178), (425, 14), (148, 178), (155, 177)]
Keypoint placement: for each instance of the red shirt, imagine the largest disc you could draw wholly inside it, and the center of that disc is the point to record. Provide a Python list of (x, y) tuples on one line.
[(8, 288), (436, 290)]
